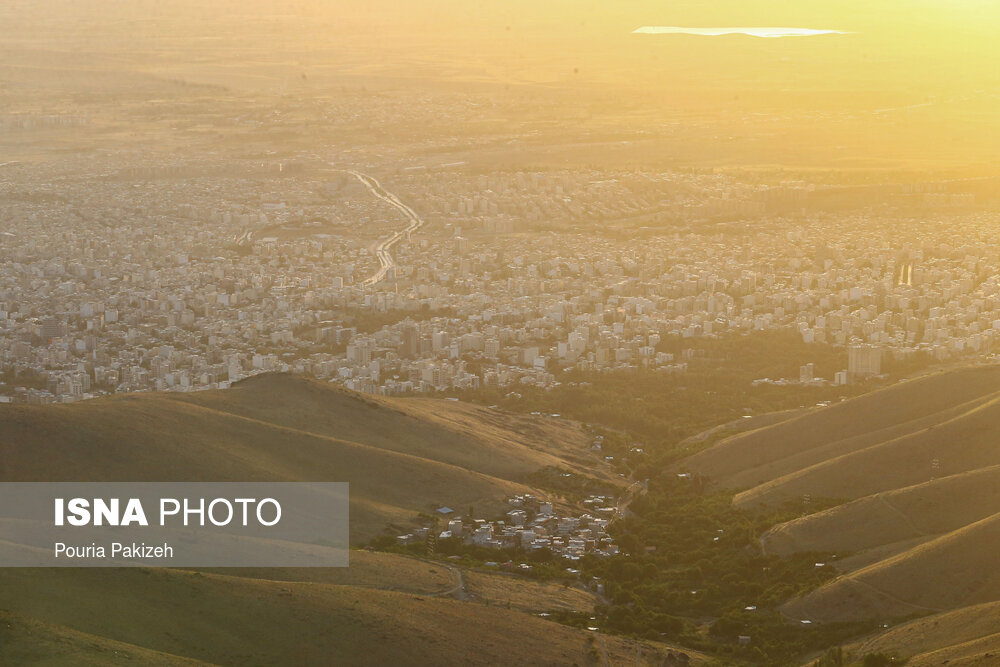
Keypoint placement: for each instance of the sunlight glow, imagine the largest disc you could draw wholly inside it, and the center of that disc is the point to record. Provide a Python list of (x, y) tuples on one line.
[(754, 32)]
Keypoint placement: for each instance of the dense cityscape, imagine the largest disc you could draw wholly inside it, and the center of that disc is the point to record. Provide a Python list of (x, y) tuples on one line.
[(140, 280)]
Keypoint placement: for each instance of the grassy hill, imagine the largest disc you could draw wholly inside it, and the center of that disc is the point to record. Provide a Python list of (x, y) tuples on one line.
[(384, 609), (514, 592), (368, 569), (407, 574), (951, 571), (220, 619), (967, 636), (491, 442), (25, 641), (913, 475), (819, 435), (957, 444), (927, 509), (912, 469), (400, 456)]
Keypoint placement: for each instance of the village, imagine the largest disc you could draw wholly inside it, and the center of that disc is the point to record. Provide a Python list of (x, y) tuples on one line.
[(530, 525)]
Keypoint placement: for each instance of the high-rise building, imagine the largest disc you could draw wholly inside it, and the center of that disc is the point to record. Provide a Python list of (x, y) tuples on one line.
[(863, 361), (806, 373), (409, 341), (51, 329)]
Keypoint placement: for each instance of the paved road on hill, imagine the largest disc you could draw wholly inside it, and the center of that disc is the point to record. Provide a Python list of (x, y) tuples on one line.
[(634, 489), (458, 590)]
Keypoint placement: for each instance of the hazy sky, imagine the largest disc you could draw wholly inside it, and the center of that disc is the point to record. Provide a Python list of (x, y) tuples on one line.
[(927, 71), (899, 44)]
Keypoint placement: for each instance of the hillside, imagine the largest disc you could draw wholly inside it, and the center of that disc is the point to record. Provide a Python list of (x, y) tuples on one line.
[(951, 571), (819, 435), (400, 456), (967, 637), (513, 592), (406, 574), (368, 569), (957, 444), (26, 641), (58, 617), (228, 620), (930, 508), (910, 478), (491, 442)]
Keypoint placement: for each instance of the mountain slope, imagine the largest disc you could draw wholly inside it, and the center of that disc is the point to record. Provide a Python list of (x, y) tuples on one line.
[(489, 441), (238, 621), (749, 459), (401, 457), (913, 475), (955, 570), (25, 641), (927, 509), (958, 444), (968, 636)]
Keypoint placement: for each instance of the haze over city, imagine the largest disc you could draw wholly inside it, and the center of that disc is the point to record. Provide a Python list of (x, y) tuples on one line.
[(643, 332)]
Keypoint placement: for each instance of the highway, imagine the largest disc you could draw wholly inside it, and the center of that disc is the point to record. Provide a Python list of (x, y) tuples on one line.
[(384, 247)]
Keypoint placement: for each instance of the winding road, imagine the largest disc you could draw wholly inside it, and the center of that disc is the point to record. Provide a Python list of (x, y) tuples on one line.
[(383, 248)]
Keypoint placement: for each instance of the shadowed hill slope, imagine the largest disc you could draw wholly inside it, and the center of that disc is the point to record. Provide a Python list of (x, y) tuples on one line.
[(969, 636), (749, 459), (400, 457), (958, 444), (229, 620), (489, 441), (955, 570), (25, 641), (931, 508), (915, 468)]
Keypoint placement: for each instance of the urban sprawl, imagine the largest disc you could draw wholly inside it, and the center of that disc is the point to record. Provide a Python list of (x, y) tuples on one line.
[(180, 277)]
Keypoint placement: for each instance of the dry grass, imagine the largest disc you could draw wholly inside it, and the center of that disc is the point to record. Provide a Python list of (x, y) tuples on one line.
[(26, 641), (238, 621), (959, 444), (955, 570), (531, 596), (919, 511), (967, 636), (817, 436), (399, 457), (918, 465), (368, 569)]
